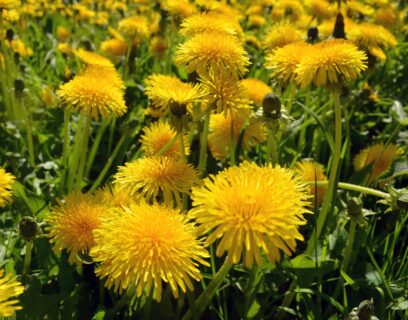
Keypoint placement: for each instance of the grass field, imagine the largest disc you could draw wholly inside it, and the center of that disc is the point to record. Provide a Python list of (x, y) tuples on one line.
[(199, 159)]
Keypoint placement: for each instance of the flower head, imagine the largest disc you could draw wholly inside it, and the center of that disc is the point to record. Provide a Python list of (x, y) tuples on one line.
[(249, 208), (163, 90), (9, 288), (157, 177), (9, 4), (93, 59), (330, 63), (157, 135), (380, 156), (179, 8), (96, 93), (72, 222), (310, 171), (284, 60), (113, 196), (134, 27), (6, 182), (281, 35), (114, 47), (212, 50), (146, 245), (256, 89)]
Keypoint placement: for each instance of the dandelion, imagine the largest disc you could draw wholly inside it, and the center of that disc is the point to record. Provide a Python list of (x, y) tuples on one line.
[(97, 94), (71, 223), (146, 245), (157, 177), (93, 59), (281, 35), (9, 289), (163, 90), (114, 47), (134, 27), (321, 8), (9, 4), (256, 89), (283, 61), (219, 139), (157, 135), (211, 50), (310, 171), (380, 156), (330, 63), (179, 8), (63, 33), (249, 208), (6, 183), (113, 196)]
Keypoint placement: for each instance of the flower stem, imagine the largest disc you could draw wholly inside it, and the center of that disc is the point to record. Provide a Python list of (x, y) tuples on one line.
[(168, 145), (232, 142), (84, 151), (95, 145), (65, 147), (203, 144), (183, 157), (27, 257), (353, 187), (271, 148)]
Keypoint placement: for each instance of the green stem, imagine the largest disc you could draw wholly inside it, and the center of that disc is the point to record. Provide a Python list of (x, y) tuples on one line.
[(232, 142), (95, 146), (205, 297), (331, 189), (168, 145), (27, 257), (292, 94), (203, 144), (108, 164), (84, 151), (183, 157), (288, 300), (74, 161), (349, 248), (352, 187), (271, 147), (65, 147)]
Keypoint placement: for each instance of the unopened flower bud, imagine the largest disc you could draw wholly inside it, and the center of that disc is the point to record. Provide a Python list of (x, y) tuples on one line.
[(338, 32), (271, 105), (28, 228), (312, 34), (178, 109), (365, 310), (354, 207)]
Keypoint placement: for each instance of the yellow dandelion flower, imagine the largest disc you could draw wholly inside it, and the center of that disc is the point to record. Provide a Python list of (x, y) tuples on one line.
[(6, 183), (249, 208), (372, 38), (219, 138), (162, 90), (283, 61), (114, 47), (281, 35), (9, 289), (9, 4), (157, 135), (106, 73), (290, 10), (225, 93), (157, 178), (356, 8), (158, 46), (134, 27), (256, 21), (146, 245), (113, 196), (209, 50), (387, 16), (321, 8), (179, 8), (310, 171), (71, 223), (93, 59), (256, 89), (380, 155), (210, 22), (252, 40), (63, 33), (19, 47), (330, 63), (65, 48), (95, 94)]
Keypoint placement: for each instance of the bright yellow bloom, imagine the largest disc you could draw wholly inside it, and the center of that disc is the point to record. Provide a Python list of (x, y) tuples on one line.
[(9, 288), (281, 35), (372, 38), (311, 171), (256, 89), (179, 8), (356, 9), (157, 178), (321, 8), (71, 223), (225, 93), (63, 33), (6, 183), (284, 60), (210, 22), (93, 59), (19, 47), (380, 156), (157, 135), (330, 63), (219, 139), (113, 196), (144, 246), (249, 208), (163, 90), (211, 50), (387, 16), (134, 27), (114, 47), (9, 4), (97, 94)]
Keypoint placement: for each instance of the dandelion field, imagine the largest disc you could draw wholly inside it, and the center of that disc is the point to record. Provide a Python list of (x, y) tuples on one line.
[(199, 159)]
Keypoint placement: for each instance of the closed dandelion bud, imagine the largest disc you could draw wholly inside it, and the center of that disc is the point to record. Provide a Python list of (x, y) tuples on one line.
[(18, 87), (338, 32), (312, 34), (271, 105), (354, 207), (9, 34), (178, 109), (28, 228), (365, 310)]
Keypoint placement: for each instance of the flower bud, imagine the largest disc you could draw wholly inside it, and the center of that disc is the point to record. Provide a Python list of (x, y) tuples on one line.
[(354, 207), (338, 32), (178, 109), (28, 228), (312, 34), (271, 105)]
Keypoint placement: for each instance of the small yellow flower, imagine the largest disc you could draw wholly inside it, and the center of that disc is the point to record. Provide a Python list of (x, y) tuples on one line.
[(6, 183), (310, 172), (321, 8), (157, 178), (9, 289), (179, 8), (249, 208), (387, 16), (134, 27), (211, 50), (330, 63), (9, 4), (256, 89), (114, 47), (71, 223), (281, 35), (112, 196), (144, 246), (380, 156), (93, 59), (63, 33), (157, 135)]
